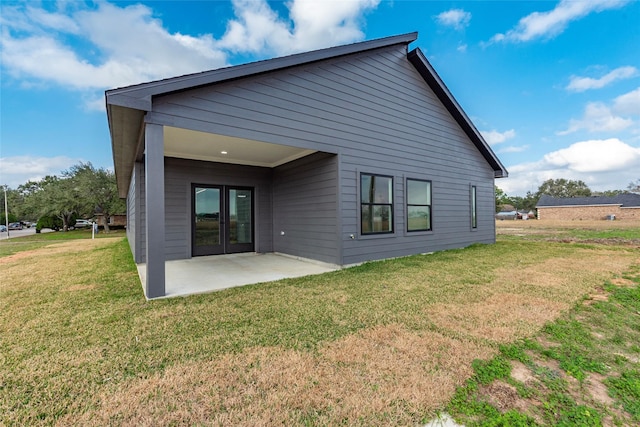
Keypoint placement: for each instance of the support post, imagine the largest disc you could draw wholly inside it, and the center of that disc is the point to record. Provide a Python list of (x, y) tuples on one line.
[(6, 210), (154, 201)]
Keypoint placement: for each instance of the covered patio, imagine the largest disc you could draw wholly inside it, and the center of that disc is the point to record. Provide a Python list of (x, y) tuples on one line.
[(213, 273)]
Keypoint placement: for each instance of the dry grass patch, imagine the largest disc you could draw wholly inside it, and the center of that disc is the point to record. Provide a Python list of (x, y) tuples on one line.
[(504, 396), (500, 318), (612, 233), (622, 282), (67, 247), (557, 225), (384, 375), (40, 271), (517, 303)]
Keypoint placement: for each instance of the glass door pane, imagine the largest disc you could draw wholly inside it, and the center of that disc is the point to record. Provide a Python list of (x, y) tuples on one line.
[(207, 232), (240, 216)]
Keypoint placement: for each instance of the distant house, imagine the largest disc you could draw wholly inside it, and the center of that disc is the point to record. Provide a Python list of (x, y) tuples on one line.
[(623, 206), (341, 155), (116, 220)]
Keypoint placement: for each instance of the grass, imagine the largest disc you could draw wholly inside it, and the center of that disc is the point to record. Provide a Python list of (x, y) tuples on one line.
[(580, 369), (383, 343), (35, 241)]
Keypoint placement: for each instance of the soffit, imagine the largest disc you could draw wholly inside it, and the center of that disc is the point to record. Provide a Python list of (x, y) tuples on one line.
[(195, 145)]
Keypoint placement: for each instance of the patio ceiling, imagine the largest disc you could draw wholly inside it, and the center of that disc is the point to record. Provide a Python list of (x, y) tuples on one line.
[(190, 144)]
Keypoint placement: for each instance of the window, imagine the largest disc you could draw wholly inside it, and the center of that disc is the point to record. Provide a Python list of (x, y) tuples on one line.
[(376, 204), (474, 210), (418, 205)]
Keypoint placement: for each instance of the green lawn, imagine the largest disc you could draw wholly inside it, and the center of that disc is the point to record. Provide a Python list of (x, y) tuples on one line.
[(383, 343)]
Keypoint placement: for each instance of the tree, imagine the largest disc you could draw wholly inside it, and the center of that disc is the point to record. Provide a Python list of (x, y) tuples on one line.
[(29, 207), (501, 198), (98, 190), (80, 191), (563, 188), (527, 203), (59, 197), (634, 187), (608, 193)]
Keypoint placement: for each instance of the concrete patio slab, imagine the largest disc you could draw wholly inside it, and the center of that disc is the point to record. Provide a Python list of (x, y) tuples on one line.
[(213, 273)]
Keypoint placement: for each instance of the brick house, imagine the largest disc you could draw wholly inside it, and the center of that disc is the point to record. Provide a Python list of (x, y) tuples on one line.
[(623, 206)]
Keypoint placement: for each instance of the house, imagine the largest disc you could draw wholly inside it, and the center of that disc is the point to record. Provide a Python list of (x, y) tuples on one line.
[(342, 155), (114, 220), (623, 206)]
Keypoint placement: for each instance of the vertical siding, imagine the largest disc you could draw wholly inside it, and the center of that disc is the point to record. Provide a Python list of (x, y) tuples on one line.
[(377, 112), (305, 208)]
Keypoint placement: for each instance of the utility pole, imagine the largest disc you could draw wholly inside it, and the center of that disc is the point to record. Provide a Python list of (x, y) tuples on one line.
[(6, 210)]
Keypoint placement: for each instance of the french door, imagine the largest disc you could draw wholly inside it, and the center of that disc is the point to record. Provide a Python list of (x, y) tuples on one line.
[(222, 219)]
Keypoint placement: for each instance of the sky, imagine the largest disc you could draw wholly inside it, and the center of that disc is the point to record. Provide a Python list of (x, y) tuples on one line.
[(553, 86)]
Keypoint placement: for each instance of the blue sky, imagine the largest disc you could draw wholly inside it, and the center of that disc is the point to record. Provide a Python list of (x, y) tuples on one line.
[(553, 86)]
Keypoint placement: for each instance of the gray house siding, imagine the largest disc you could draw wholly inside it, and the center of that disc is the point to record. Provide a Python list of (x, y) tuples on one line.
[(305, 208), (140, 227), (375, 110), (181, 173), (136, 208), (131, 214)]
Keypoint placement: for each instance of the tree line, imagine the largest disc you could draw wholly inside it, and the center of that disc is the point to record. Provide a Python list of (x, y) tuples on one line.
[(79, 192), (556, 188)]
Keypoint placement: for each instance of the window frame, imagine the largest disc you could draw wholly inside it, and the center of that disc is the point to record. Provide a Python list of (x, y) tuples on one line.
[(407, 204), (391, 205), (473, 206)]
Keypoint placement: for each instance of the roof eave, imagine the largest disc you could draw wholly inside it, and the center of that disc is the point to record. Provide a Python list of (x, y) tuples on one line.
[(429, 74), (124, 127)]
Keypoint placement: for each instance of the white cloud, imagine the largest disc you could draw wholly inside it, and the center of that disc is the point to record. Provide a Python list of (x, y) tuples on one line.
[(581, 84), (94, 102), (598, 117), (462, 48), (83, 47), (514, 149), (456, 18), (628, 104), (594, 156), (550, 24), (53, 21), (17, 170), (311, 25), (494, 137), (146, 51), (603, 164)]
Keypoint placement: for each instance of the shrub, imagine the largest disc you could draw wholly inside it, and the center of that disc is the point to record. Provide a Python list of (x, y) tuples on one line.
[(48, 221)]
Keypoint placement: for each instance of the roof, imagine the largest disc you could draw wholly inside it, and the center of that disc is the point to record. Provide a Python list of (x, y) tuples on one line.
[(127, 106), (139, 96), (625, 200)]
